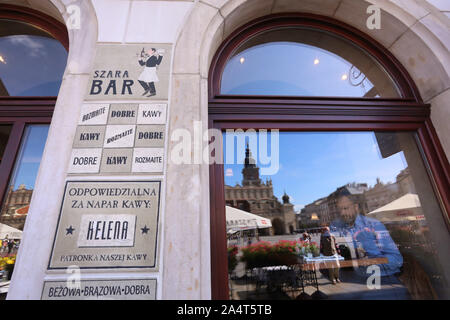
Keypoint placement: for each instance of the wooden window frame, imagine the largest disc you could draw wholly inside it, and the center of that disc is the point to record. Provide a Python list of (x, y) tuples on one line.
[(408, 113), (22, 111)]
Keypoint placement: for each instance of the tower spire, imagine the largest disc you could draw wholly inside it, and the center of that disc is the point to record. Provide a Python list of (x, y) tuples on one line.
[(285, 197), (249, 161), (250, 171)]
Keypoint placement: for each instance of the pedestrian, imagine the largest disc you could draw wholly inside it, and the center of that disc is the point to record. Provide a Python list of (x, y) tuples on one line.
[(328, 248), (306, 237), (5, 242), (10, 246)]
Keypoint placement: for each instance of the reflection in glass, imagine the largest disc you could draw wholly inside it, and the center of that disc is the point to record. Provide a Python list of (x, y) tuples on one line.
[(304, 62), (32, 63), (18, 196), (346, 216), (5, 130)]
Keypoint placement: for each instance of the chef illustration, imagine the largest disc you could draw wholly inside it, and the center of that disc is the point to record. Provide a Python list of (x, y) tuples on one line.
[(150, 59)]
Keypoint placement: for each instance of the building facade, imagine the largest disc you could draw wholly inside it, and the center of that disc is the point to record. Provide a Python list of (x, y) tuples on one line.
[(257, 197), (369, 198), (15, 207), (188, 246)]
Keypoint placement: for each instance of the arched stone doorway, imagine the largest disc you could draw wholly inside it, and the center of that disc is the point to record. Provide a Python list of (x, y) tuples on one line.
[(278, 226), (32, 260), (211, 22)]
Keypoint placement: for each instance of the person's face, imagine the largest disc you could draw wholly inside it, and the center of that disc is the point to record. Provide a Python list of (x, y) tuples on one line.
[(347, 209), (151, 52)]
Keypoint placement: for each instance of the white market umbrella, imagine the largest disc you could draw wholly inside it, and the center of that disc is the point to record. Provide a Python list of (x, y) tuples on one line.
[(405, 208), (242, 220), (9, 231)]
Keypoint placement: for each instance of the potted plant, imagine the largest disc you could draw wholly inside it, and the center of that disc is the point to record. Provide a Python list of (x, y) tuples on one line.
[(265, 254), (8, 265), (232, 259), (315, 250), (256, 255), (301, 247), (284, 253), (307, 249)]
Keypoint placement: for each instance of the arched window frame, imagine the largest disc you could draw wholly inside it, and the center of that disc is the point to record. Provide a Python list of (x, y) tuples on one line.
[(407, 113), (22, 111)]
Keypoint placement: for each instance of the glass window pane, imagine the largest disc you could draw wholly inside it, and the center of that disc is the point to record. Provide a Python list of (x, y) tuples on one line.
[(304, 62), (352, 215), (5, 130), (32, 63), (18, 196)]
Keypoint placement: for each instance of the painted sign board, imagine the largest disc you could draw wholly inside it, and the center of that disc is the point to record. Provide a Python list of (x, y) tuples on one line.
[(107, 224), (119, 138), (131, 71), (123, 289)]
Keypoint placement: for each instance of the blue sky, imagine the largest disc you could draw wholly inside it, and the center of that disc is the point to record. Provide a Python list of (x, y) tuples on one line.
[(34, 65), (314, 164), (30, 156), (287, 68)]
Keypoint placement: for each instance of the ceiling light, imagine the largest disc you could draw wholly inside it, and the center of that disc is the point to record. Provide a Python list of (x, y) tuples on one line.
[(316, 61), (344, 77), (242, 60)]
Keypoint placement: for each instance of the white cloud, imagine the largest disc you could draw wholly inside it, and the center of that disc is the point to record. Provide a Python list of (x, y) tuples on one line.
[(27, 41)]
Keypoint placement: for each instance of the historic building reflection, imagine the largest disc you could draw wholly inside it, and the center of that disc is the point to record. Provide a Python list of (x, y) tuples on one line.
[(256, 196), (322, 211), (15, 208)]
